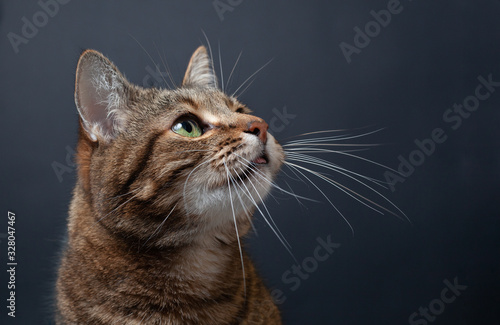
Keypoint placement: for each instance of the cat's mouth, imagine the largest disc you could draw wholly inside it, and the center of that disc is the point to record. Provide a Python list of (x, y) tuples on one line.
[(261, 160), (252, 168)]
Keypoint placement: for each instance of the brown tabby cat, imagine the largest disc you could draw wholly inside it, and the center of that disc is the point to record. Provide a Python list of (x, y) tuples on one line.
[(166, 181)]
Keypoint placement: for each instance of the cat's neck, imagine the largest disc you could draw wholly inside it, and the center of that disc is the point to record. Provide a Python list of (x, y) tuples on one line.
[(174, 279), (203, 258)]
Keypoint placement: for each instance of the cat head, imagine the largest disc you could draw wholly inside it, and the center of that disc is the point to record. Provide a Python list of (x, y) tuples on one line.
[(166, 165)]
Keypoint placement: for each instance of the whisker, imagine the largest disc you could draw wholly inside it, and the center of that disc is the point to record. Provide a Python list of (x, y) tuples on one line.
[(158, 69), (296, 167), (342, 188), (334, 138), (248, 164), (353, 156), (167, 68), (328, 131), (193, 150), (315, 132), (295, 196), (283, 190), (161, 225), (176, 84), (211, 55), (322, 131), (269, 181), (253, 74), (232, 70), (331, 137), (291, 177), (221, 71), (291, 190), (321, 150), (245, 89), (332, 144), (133, 197), (114, 197), (187, 179), (247, 212), (150, 57), (276, 230), (338, 185), (167, 169), (326, 164), (236, 229)]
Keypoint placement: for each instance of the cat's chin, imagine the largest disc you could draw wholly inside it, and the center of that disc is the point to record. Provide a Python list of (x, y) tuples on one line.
[(237, 195), (234, 194)]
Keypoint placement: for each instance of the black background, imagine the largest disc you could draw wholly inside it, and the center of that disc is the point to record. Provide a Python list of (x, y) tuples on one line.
[(426, 59)]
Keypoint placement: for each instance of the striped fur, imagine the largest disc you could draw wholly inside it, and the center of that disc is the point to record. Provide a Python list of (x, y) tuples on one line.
[(151, 227)]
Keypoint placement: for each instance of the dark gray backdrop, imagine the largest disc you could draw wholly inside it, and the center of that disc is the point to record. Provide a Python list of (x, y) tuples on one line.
[(427, 58)]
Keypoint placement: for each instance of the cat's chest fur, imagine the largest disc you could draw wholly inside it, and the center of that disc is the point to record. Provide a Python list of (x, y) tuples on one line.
[(167, 183)]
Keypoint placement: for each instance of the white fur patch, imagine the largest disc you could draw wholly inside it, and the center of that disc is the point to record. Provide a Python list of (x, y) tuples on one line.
[(217, 204)]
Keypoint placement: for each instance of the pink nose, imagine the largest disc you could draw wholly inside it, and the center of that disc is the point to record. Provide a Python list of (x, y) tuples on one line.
[(258, 128)]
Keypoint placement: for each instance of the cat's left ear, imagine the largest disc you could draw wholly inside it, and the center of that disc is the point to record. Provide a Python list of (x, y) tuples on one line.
[(200, 72), (101, 96)]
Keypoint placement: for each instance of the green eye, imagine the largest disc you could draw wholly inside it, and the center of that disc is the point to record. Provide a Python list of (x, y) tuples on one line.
[(187, 128)]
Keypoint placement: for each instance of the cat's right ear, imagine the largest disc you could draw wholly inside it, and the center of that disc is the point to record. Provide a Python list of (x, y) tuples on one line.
[(101, 96), (200, 72)]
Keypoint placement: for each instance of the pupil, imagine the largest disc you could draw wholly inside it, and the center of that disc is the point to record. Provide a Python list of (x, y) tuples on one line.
[(188, 127)]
